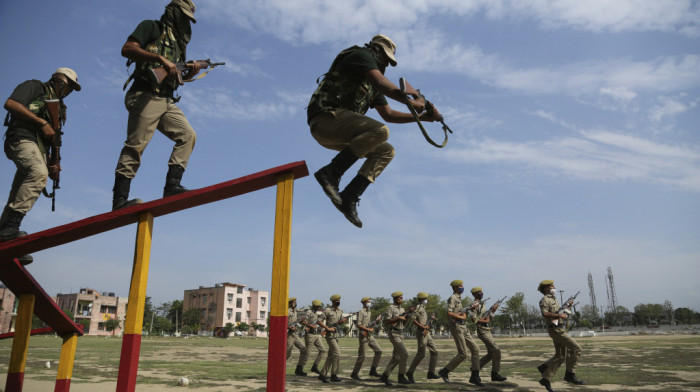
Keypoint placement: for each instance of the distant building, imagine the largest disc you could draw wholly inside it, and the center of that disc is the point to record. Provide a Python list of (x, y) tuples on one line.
[(228, 303), (94, 310), (8, 310)]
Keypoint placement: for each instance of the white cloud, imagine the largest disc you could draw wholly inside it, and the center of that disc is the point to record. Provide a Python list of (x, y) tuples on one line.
[(593, 155), (667, 107)]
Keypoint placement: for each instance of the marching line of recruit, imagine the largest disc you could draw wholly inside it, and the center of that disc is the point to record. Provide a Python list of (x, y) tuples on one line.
[(317, 323)]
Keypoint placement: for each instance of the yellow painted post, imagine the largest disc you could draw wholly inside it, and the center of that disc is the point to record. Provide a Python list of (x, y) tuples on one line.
[(65, 363), (131, 343), (20, 343), (277, 349)]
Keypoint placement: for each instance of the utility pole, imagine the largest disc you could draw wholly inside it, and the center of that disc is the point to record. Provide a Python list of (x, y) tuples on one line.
[(561, 296)]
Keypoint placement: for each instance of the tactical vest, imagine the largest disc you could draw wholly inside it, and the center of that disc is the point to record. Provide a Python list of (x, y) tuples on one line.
[(166, 46), (341, 90), (38, 107)]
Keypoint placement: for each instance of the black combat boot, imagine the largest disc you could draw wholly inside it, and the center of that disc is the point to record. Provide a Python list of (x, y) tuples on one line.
[(314, 369), (571, 377), (122, 185), (323, 378), (373, 372), (385, 379), (335, 378), (351, 198), (403, 379), (542, 368), (545, 383), (355, 376), (444, 374), (432, 376), (172, 181), (300, 371), (10, 230), (409, 376), (329, 175), (475, 379), (10, 226), (497, 377)]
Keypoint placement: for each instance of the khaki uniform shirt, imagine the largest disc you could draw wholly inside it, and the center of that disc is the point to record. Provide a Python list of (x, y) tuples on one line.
[(454, 305), (549, 303), (421, 315), (312, 318), (364, 317), (331, 317), (392, 312)]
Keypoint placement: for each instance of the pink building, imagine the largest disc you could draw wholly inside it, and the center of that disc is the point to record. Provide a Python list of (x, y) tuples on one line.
[(228, 303), (88, 306), (8, 310)]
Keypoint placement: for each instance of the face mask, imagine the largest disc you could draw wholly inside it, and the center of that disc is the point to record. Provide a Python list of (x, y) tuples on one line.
[(425, 301), (479, 296), (552, 291), (460, 290), (369, 304), (318, 312)]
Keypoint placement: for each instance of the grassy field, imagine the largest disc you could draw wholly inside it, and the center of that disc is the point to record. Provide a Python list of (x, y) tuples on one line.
[(633, 363)]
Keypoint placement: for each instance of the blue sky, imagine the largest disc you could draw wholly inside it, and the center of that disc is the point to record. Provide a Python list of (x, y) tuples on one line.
[(576, 147)]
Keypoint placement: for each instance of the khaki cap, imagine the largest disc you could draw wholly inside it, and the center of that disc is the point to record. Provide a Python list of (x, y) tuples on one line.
[(456, 283), (292, 299), (546, 282), (316, 302), (71, 75), (422, 295), (187, 7), (388, 45), (335, 297), (396, 294), (476, 289), (365, 299)]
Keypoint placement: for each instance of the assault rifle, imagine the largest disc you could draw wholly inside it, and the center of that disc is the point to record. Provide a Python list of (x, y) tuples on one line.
[(493, 307), (566, 306), (293, 328), (373, 324), (334, 325), (429, 324), (430, 108), (161, 73), (406, 315), (54, 158), (473, 305)]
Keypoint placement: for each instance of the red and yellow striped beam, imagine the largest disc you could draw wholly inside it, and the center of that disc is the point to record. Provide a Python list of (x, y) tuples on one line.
[(20, 344), (133, 324), (277, 349), (65, 363)]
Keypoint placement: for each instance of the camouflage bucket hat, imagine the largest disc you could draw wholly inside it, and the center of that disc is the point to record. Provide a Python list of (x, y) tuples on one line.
[(187, 7), (387, 45)]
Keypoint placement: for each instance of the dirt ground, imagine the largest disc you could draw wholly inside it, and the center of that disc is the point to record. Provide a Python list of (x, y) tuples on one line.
[(608, 364)]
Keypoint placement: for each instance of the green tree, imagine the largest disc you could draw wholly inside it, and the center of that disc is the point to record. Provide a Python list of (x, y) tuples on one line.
[(685, 316), (190, 320), (228, 328), (112, 324), (516, 310), (243, 327), (589, 316)]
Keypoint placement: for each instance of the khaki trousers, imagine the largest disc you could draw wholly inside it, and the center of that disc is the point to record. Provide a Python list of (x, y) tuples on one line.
[(314, 339), (30, 177), (333, 359), (565, 349), (399, 356), (293, 340), (362, 349), (463, 340), (366, 138), (493, 352), (148, 112), (424, 341)]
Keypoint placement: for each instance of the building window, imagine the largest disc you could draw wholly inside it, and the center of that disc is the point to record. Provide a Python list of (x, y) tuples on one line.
[(247, 315), (238, 316), (108, 309), (204, 299), (101, 326), (229, 313), (239, 302), (262, 301), (203, 313), (248, 300), (230, 297), (262, 315), (239, 290)]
